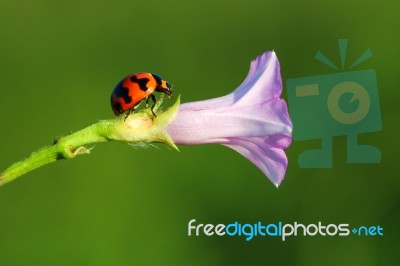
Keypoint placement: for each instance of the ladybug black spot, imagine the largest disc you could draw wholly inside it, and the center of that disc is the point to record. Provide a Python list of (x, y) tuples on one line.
[(122, 92), (141, 82)]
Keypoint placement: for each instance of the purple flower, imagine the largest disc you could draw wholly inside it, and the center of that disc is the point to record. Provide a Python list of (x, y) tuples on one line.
[(253, 119)]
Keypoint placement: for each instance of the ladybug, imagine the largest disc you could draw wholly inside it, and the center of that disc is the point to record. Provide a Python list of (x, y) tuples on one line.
[(135, 88)]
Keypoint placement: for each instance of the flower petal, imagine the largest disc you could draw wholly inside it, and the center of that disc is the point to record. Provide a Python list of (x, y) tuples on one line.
[(263, 81), (272, 161)]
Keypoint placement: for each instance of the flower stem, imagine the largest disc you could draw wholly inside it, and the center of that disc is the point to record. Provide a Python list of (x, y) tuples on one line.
[(137, 127)]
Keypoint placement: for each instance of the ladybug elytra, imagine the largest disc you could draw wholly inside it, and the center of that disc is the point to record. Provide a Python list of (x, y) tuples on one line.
[(135, 88)]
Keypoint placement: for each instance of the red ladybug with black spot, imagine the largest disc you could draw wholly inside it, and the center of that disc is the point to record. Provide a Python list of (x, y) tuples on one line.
[(135, 88)]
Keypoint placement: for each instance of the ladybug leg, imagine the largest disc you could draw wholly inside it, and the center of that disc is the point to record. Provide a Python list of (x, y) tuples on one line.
[(128, 113), (154, 104), (147, 102)]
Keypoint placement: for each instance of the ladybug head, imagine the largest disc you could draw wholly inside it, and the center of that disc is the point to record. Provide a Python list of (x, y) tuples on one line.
[(168, 90)]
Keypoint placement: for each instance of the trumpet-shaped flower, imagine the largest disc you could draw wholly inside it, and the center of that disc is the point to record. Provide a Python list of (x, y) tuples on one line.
[(253, 119)]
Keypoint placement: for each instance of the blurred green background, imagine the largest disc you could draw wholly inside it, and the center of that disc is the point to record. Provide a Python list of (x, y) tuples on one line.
[(60, 60)]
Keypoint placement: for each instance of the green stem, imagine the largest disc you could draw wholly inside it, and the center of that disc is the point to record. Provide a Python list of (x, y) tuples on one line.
[(138, 127)]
